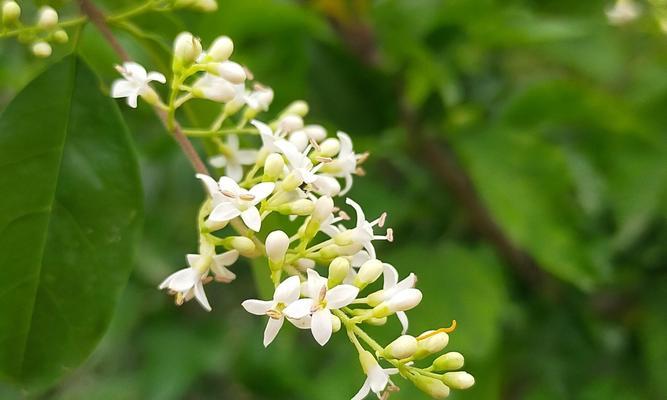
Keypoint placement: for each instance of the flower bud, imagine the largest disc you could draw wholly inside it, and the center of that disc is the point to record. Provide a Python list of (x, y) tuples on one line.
[(221, 49), (376, 321), (367, 361), (299, 139), (60, 36), (369, 272), (260, 99), (335, 323), (402, 301), (186, 48), (304, 264), (431, 386), (205, 5), (323, 209), (431, 345), (273, 166), (213, 88), (232, 72), (403, 347), (11, 12), (41, 49), (315, 132), (298, 107), (290, 122), (245, 246), (338, 270), (458, 380), (448, 362), (47, 18), (292, 181), (330, 147), (277, 243), (297, 207)]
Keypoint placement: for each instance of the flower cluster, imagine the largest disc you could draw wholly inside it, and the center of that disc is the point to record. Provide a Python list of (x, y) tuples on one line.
[(40, 36), (287, 167)]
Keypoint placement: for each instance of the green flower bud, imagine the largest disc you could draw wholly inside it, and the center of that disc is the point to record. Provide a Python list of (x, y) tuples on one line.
[(273, 166), (376, 321), (291, 182), (369, 272), (186, 49), (11, 12), (244, 245), (41, 49), (458, 380), (431, 386), (298, 107), (60, 36), (448, 362), (338, 270), (431, 345), (403, 347), (298, 207)]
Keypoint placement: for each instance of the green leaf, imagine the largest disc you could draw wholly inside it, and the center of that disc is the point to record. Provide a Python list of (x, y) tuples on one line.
[(70, 215)]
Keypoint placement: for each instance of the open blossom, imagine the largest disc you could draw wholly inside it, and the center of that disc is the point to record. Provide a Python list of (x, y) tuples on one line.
[(362, 234), (135, 83), (392, 287), (234, 158), (218, 264), (345, 163), (319, 304), (231, 201), (286, 293), (377, 378), (186, 284)]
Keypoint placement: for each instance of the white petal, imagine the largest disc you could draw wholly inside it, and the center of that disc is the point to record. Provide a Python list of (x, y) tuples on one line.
[(234, 170), (233, 142), (361, 217), (360, 258), (135, 71), (227, 184), (321, 326), (224, 212), (262, 191), (132, 100), (345, 144), (257, 307), (223, 274), (301, 323), (363, 392), (390, 276), (407, 283), (246, 157), (299, 308), (210, 183), (201, 296), (315, 284), (341, 295), (192, 259), (156, 76), (123, 88), (218, 161), (252, 219), (348, 184), (226, 258), (377, 379), (272, 329), (403, 318), (183, 280), (288, 291)]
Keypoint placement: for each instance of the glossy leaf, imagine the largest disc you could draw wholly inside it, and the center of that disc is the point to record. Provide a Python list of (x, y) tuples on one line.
[(70, 214)]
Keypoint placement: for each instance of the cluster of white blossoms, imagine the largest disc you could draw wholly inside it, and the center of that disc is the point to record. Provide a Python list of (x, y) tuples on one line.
[(287, 167)]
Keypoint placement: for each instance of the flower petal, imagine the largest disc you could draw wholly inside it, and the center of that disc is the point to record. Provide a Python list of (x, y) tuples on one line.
[(315, 284), (363, 392), (403, 318), (252, 219), (192, 259), (228, 184), (272, 329), (262, 191), (377, 379), (301, 323), (210, 183), (224, 212), (246, 157), (299, 308), (226, 258), (341, 295), (234, 170), (132, 100), (321, 326), (200, 295), (156, 76), (257, 307), (123, 88), (218, 161), (361, 217), (390, 276), (288, 291), (183, 280), (134, 71)]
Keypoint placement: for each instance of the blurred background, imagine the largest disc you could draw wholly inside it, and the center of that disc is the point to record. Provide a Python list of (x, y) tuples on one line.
[(519, 148)]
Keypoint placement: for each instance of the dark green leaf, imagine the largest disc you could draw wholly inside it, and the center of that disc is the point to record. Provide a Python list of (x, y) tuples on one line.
[(70, 214)]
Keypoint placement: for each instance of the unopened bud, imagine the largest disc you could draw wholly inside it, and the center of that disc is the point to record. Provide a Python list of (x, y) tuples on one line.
[(244, 245), (11, 12), (323, 209), (330, 147), (367, 361), (299, 139), (315, 132), (292, 181), (205, 5), (290, 122), (273, 166), (376, 321), (338, 270), (403, 347), (48, 18), (232, 72), (186, 48), (221, 49), (431, 345), (297, 207), (335, 323), (298, 107), (431, 386), (458, 380), (369, 272), (405, 300), (277, 243), (41, 49), (448, 362), (60, 36)]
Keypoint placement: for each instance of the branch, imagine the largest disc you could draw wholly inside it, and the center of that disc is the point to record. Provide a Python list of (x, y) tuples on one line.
[(98, 19)]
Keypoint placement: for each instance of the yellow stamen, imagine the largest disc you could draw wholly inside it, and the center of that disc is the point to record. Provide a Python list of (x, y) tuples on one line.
[(451, 329)]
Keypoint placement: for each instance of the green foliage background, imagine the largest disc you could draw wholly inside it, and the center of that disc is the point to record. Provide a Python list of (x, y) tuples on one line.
[(557, 118)]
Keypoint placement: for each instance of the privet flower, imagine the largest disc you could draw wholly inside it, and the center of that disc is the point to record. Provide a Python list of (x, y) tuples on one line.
[(234, 158), (135, 83), (377, 378)]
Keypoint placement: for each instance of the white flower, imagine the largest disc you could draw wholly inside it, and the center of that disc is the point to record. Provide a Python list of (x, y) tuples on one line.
[(392, 288), (234, 158), (320, 303), (269, 138), (218, 265), (231, 201), (286, 293), (622, 12), (362, 233), (214, 88), (135, 82), (377, 377), (345, 164), (186, 284), (298, 161), (260, 98)]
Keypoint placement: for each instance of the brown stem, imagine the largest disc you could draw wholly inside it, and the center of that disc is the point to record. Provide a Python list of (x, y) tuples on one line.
[(98, 19)]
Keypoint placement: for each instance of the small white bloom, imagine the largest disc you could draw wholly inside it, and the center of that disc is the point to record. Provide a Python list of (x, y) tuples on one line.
[(218, 265), (214, 88), (298, 161), (188, 283), (234, 158), (260, 98), (345, 164), (135, 82), (377, 378), (319, 304), (231, 201), (285, 294), (270, 139), (392, 288), (622, 12), (362, 233)]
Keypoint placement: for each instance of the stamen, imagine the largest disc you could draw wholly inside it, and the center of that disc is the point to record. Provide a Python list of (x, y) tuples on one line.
[(222, 279), (120, 69), (343, 215), (228, 193), (335, 209), (390, 235), (206, 280), (275, 314), (179, 299), (249, 75), (247, 197), (380, 221), (451, 329), (313, 143), (360, 171), (324, 159), (361, 158)]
